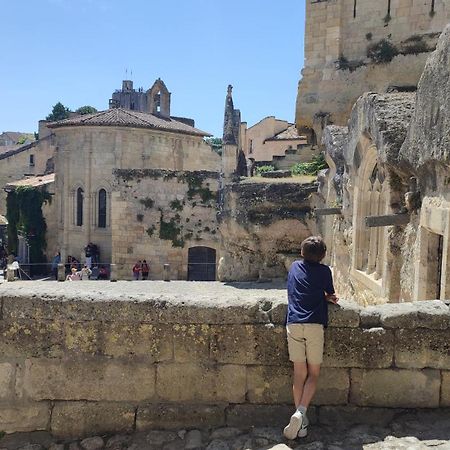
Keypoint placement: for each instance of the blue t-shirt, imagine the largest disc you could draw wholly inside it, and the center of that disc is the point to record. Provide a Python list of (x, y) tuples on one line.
[(306, 285)]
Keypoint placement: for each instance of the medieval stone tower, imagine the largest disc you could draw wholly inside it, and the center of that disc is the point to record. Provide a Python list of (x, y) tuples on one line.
[(355, 46)]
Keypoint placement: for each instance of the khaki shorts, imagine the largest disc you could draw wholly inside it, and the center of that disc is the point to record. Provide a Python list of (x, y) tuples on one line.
[(305, 342)]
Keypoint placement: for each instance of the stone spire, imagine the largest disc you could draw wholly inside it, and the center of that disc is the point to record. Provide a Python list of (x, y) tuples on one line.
[(229, 135)]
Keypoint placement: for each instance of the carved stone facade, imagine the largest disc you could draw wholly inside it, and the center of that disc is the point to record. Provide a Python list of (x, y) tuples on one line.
[(390, 175)]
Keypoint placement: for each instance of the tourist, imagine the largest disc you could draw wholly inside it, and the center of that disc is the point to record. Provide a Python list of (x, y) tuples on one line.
[(88, 255), (145, 270), (310, 287), (85, 273), (137, 270), (55, 262), (102, 273), (74, 276)]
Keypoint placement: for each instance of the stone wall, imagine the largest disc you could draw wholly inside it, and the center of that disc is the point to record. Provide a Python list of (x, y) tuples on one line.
[(78, 362), (158, 215), (337, 67)]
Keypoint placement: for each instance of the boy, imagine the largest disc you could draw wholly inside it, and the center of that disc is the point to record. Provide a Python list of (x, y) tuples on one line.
[(310, 287)]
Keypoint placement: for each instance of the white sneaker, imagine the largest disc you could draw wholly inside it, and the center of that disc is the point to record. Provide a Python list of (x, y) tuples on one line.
[(303, 432), (295, 423)]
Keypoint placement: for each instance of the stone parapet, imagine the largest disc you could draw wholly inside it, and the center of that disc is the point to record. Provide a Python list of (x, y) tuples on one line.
[(116, 357)]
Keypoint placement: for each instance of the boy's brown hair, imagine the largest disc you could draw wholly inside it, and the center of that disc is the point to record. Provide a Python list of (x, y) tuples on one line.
[(313, 249)]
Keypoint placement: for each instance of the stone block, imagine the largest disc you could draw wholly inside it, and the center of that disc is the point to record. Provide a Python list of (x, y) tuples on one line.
[(88, 379), (194, 382), (433, 314), (333, 387), (354, 347), (80, 419), (191, 343), (249, 344), (370, 317), (422, 348), (395, 388), (345, 314), (179, 415), (30, 338), (128, 340), (445, 389), (22, 417), (6, 381), (273, 385), (248, 416), (269, 384), (346, 416)]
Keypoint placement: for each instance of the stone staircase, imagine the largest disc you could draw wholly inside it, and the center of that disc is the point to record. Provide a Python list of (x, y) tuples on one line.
[(302, 153)]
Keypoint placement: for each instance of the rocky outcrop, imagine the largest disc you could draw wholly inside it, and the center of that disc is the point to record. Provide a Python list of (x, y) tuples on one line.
[(428, 139), (262, 226)]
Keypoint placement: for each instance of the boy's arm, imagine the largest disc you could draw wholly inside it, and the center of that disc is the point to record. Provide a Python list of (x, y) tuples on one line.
[(330, 295)]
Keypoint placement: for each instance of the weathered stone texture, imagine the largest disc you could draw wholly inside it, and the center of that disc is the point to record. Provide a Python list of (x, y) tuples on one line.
[(445, 393), (98, 379), (77, 419), (428, 139), (179, 415), (419, 348), (19, 416), (395, 388), (206, 383), (372, 347)]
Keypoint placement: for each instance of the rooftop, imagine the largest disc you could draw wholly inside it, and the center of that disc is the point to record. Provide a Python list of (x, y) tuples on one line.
[(290, 133), (38, 181), (120, 117)]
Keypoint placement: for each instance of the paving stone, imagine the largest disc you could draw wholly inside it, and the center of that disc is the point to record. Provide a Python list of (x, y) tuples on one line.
[(218, 444), (193, 440), (225, 433), (92, 443)]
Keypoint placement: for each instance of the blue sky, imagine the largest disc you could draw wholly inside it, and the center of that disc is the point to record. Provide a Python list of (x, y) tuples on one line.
[(77, 51)]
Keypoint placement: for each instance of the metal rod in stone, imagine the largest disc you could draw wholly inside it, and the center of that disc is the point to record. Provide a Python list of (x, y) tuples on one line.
[(327, 211), (386, 221)]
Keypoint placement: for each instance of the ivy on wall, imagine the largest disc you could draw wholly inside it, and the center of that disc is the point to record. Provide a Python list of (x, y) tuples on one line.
[(24, 214)]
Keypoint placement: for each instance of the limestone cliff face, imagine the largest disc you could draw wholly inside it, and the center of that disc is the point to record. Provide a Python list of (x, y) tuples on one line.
[(262, 226), (428, 138)]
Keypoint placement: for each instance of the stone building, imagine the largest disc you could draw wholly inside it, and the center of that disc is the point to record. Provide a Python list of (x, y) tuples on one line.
[(131, 182), (26, 160), (275, 141), (352, 47)]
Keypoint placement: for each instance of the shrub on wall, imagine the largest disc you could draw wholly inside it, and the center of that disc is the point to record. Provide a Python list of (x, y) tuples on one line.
[(382, 52), (24, 214), (262, 169), (310, 168)]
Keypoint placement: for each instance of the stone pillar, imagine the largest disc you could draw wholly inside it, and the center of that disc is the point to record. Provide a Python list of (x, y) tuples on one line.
[(61, 272), (229, 160), (166, 272), (10, 274), (113, 272)]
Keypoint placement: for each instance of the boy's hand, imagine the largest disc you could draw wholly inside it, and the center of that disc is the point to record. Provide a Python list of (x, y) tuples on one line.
[(332, 298)]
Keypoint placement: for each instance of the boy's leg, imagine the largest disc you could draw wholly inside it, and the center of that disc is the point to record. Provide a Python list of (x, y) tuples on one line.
[(310, 385), (300, 375)]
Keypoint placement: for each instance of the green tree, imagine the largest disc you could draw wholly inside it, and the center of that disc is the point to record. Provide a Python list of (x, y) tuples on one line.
[(59, 112), (86, 110), (215, 143)]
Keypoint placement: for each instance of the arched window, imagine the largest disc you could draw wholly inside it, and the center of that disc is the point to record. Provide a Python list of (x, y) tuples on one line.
[(102, 208), (80, 201)]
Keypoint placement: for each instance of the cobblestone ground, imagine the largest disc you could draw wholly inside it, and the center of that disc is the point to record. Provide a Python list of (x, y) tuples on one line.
[(412, 431)]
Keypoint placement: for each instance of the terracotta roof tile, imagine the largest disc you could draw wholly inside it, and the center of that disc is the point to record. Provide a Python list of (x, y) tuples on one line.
[(120, 117)]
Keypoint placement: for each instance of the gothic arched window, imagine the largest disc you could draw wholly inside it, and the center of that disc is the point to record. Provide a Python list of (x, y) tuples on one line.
[(102, 208), (80, 201)]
